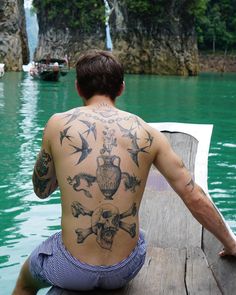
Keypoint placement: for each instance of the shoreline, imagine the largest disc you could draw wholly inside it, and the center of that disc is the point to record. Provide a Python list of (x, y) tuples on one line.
[(207, 63), (217, 63)]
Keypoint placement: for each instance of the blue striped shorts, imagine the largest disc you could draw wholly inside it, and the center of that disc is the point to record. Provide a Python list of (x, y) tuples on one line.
[(51, 263)]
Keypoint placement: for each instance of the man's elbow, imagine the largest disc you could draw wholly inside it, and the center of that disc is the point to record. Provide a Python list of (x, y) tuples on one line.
[(40, 186), (40, 195)]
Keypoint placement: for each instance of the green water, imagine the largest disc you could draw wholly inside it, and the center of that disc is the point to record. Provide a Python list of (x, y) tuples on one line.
[(25, 106)]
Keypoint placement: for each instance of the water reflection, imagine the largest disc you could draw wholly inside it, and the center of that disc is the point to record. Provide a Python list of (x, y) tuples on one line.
[(222, 188), (2, 103), (19, 139), (21, 215), (28, 131)]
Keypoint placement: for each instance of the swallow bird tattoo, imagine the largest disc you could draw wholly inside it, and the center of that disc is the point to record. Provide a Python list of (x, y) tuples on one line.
[(149, 139), (91, 128), (126, 132), (73, 116), (137, 122), (85, 150), (63, 134), (135, 150)]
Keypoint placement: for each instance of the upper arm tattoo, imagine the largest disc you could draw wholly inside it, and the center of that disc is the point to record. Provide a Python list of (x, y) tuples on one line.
[(41, 169), (42, 163)]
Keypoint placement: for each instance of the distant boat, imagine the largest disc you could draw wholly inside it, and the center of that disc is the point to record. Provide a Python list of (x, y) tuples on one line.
[(2, 72), (49, 69), (26, 68)]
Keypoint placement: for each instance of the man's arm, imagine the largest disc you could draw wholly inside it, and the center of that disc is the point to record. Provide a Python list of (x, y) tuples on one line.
[(200, 205), (44, 175)]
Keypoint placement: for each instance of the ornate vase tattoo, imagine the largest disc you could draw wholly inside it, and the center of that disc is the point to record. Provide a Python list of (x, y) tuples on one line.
[(108, 166), (108, 173)]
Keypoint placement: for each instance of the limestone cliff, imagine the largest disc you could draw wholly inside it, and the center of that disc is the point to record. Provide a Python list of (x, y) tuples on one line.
[(155, 37), (69, 28), (13, 38)]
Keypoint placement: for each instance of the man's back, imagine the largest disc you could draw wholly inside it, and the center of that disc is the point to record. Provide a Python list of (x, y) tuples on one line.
[(102, 157)]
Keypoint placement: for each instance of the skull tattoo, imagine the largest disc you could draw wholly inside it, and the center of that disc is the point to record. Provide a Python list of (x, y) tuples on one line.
[(106, 220), (105, 224)]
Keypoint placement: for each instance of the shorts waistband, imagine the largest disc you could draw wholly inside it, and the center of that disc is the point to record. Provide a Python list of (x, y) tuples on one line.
[(96, 268)]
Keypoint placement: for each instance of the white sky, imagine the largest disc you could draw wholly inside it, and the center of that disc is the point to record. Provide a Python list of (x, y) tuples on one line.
[(27, 3)]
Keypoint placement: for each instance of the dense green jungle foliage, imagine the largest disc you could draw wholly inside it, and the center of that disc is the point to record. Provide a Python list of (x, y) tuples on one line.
[(216, 25), (215, 20), (74, 14)]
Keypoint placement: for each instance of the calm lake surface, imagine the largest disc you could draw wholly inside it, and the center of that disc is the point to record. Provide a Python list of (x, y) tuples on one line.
[(26, 105)]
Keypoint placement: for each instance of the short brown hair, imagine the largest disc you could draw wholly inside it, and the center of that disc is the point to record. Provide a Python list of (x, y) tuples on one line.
[(99, 72)]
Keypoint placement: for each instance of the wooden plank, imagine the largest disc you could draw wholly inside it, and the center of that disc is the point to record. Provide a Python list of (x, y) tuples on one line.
[(163, 216), (59, 291), (185, 146), (199, 278), (167, 222), (162, 274), (224, 269), (202, 133)]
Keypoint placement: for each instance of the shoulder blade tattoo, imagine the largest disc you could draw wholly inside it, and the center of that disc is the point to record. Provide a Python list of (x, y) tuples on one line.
[(108, 172)]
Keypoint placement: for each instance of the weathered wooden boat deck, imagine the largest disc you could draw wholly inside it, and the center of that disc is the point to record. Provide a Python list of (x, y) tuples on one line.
[(182, 257)]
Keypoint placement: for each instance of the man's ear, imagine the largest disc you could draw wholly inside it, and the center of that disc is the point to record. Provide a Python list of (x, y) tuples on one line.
[(122, 88), (78, 89)]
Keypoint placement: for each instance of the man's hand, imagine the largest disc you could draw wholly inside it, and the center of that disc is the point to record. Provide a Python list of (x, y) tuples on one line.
[(228, 252)]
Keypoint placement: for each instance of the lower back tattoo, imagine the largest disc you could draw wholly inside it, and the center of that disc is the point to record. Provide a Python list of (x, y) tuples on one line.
[(106, 220)]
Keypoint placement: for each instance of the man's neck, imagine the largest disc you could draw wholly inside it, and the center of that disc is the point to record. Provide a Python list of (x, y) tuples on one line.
[(99, 101)]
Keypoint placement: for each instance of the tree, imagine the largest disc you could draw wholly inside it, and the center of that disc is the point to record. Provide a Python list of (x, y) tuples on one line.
[(217, 28)]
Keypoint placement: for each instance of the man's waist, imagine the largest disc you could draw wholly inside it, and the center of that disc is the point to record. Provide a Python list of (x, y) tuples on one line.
[(91, 253)]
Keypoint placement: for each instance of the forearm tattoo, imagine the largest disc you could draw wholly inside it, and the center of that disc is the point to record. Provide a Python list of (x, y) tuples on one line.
[(190, 185)]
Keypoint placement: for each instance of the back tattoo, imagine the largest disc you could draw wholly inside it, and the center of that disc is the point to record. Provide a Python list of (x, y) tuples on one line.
[(106, 220)]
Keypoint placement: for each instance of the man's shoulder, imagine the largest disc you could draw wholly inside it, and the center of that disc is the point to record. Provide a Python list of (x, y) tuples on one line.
[(68, 112), (64, 116)]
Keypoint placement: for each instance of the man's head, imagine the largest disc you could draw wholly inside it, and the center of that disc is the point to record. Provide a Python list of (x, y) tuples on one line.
[(99, 72)]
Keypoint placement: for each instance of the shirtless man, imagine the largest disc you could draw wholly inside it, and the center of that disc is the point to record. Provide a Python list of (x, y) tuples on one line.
[(99, 157)]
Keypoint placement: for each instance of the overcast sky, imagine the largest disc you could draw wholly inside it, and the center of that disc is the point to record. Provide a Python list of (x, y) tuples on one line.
[(27, 3)]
